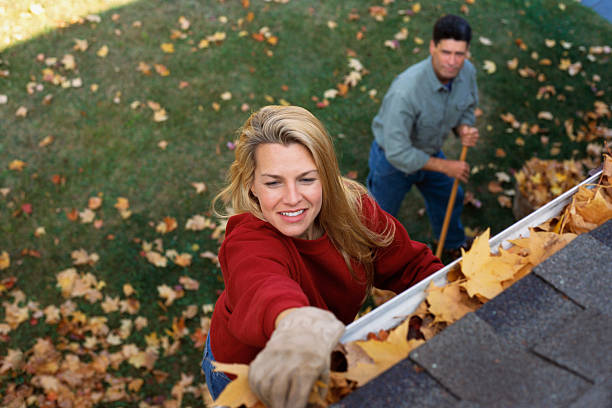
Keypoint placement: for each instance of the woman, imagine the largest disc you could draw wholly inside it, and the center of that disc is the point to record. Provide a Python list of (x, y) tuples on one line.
[(301, 252)]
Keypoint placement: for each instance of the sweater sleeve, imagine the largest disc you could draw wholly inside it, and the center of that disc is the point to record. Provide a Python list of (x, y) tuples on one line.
[(257, 268), (404, 262)]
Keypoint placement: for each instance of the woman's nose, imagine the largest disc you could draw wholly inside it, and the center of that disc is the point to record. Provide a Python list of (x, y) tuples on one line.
[(292, 194)]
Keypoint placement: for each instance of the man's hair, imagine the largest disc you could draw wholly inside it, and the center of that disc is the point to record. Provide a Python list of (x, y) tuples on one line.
[(452, 27)]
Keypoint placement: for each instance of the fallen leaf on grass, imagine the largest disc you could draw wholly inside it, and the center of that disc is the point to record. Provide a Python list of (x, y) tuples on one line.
[(167, 293), (81, 257), (17, 165), (183, 260), (102, 52), (495, 187), (46, 141), (168, 224), (504, 201), (167, 48), (485, 41), (94, 203), (490, 67), (188, 283), (200, 187), (5, 260), (156, 259)]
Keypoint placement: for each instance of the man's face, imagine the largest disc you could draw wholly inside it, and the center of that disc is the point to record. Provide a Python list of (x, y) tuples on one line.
[(447, 58)]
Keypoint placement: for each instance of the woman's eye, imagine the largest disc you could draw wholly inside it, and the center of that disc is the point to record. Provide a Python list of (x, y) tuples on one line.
[(271, 183), (308, 180)]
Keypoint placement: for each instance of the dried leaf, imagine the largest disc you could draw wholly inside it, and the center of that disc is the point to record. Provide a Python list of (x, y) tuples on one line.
[(237, 392), (384, 354)]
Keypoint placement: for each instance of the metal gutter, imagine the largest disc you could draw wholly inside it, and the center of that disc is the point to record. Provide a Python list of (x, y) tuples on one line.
[(396, 310)]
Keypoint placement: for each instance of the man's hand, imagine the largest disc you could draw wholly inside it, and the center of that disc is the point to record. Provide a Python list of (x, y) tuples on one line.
[(295, 357), (452, 168), (468, 134), (457, 169)]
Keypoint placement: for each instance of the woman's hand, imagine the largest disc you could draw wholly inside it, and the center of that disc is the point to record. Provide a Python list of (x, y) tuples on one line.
[(295, 357)]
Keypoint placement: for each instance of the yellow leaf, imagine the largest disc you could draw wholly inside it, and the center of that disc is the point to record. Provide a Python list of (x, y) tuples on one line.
[(160, 115), (135, 384), (110, 304), (94, 203), (17, 165), (449, 303), (489, 67), (161, 69), (21, 112), (596, 211), (184, 23), (65, 280), (183, 260), (167, 48), (541, 244), (81, 257), (156, 259), (238, 391), (122, 203), (102, 52), (80, 45), (485, 272), (512, 64), (144, 68), (384, 354), (46, 141), (5, 260)]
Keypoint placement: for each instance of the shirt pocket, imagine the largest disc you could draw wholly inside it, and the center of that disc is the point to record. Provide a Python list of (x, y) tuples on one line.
[(427, 132)]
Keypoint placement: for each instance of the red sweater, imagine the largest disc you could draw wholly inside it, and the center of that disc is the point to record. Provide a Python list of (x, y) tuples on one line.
[(266, 272)]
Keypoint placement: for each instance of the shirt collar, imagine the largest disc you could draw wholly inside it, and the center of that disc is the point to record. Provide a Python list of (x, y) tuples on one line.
[(433, 80)]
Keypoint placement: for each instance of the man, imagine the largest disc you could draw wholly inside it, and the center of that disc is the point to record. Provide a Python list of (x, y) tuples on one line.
[(423, 104)]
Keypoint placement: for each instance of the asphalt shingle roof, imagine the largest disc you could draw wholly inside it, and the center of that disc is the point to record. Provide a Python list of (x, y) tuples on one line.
[(544, 342)]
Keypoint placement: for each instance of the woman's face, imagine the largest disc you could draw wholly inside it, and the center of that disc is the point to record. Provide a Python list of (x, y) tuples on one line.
[(288, 188)]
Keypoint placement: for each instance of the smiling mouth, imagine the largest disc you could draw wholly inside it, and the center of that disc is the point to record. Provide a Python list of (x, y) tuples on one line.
[(292, 213)]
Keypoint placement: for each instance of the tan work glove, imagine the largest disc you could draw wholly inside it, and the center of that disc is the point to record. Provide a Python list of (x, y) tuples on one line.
[(295, 357)]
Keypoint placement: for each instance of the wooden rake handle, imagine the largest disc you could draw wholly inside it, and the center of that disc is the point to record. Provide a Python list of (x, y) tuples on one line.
[(449, 208)]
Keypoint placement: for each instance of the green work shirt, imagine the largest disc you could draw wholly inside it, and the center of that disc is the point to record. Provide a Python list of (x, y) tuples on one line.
[(418, 112)]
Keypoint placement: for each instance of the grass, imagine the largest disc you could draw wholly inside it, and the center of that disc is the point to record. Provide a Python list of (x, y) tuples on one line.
[(103, 147)]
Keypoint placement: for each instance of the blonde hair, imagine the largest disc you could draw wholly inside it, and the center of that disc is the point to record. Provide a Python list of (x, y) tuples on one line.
[(340, 214)]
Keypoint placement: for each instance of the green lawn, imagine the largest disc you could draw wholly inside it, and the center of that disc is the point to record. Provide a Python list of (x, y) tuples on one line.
[(230, 58)]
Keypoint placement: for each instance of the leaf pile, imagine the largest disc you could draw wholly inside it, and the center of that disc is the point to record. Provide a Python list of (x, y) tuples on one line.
[(540, 181), (482, 275)]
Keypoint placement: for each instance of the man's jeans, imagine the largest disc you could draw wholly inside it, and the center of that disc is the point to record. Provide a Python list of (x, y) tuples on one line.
[(215, 380), (389, 185)]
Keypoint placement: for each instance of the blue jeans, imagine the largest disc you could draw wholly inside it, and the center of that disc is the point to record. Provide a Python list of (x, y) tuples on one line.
[(215, 380), (389, 185)]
